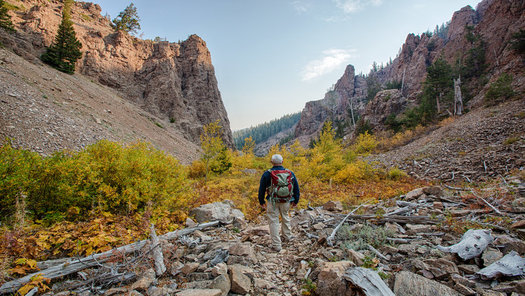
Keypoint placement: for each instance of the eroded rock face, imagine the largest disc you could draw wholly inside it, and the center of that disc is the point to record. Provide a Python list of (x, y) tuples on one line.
[(173, 81), (494, 21), (349, 93), (385, 103)]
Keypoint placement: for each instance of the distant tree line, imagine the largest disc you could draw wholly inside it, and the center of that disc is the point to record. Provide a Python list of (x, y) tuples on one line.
[(263, 132)]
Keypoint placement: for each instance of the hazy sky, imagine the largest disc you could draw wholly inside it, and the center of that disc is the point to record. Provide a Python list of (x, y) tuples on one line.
[(273, 56)]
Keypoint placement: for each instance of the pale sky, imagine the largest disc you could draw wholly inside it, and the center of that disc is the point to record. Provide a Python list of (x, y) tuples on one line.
[(273, 56)]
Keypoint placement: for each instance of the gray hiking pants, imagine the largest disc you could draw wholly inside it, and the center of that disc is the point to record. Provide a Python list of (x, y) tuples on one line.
[(274, 210)]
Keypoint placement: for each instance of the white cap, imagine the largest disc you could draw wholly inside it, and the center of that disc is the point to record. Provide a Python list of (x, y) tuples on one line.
[(277, 159)]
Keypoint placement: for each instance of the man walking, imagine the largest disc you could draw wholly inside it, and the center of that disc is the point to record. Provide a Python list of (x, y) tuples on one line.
[(282, 191)]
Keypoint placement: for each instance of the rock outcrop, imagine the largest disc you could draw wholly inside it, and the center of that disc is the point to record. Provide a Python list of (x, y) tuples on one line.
[(385, 103), (173, 81), (347, 99), (493, 21)]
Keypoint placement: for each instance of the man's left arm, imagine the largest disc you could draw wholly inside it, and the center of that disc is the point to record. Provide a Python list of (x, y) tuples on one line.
[(296, 191)]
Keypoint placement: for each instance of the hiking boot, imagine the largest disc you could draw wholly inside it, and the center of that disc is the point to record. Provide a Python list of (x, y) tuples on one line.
[(276, 249)]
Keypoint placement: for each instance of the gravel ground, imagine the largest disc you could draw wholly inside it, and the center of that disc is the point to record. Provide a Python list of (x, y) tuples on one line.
[(44, 110), (484, 143)]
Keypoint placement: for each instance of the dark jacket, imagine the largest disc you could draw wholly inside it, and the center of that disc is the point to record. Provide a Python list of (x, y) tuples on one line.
[(266, 182)]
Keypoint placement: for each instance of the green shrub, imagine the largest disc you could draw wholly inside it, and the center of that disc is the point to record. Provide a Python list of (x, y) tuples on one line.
[(394, 84), (105, 176), (16, 169), (500, 90), (518, 41), (363, 126), (396, 174), (360, 238)]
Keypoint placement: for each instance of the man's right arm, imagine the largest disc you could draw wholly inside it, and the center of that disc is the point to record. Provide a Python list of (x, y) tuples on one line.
[(262, 188)]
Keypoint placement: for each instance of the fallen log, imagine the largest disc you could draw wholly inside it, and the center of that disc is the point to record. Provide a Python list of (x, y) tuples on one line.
[(395, 218), (368, 280), (487, 203), (330, 239), (74, 265), (378, 254), (158, 257)]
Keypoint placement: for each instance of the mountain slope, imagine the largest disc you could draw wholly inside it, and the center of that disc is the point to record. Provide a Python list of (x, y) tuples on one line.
[(493, 23), (174, 82), (485, 143), (44, 110)]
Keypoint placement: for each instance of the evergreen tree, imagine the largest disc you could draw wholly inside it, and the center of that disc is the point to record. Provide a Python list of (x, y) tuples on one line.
[(5, 19), (438, 86), (518, 41), (127, 20), (65, 50)]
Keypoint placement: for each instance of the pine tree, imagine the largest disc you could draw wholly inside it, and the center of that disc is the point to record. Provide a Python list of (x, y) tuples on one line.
[(65, 50), (127, 20), (438, 86), (5, 19)]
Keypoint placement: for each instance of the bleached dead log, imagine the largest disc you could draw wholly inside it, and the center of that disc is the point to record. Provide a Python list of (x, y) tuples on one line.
[(472, 244), (103, 280), (378, 254), (158, 258), (396, 218), (330, 239), (309, 235), (405, 207), (50, 263), (486, 202), (32, 292), (368, 280), (398, 240), (456, 188), (400, 211), (74, 265), (510, 265)]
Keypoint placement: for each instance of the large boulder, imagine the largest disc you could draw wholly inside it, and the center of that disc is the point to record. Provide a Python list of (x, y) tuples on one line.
[(410, 284), (200, 292), (330, 280), (222, 211), (241, 283)]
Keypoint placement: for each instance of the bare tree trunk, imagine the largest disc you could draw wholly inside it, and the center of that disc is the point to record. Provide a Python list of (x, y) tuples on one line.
[(158, 257), (352, 111), (403, 81), (20, 210), (458, 99), (438, 99)]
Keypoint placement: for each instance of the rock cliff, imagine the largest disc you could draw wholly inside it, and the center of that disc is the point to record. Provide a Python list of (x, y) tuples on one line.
[(172, 81), (346, 99), (494, 21)]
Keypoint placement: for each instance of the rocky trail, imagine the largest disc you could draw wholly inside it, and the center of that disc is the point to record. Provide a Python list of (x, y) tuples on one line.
[(405, 246)]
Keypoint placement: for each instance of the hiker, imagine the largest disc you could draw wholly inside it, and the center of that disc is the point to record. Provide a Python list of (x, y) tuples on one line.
[(282, 191)]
